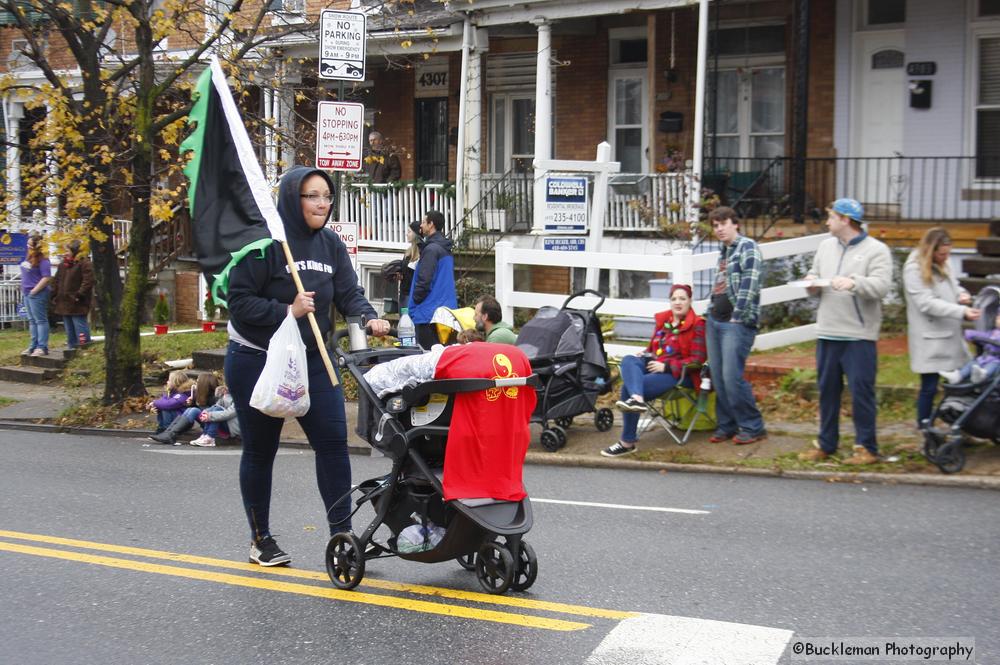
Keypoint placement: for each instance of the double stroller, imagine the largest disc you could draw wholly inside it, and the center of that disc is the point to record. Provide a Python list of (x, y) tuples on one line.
[(566, 349), (411, 428), (969, 409)]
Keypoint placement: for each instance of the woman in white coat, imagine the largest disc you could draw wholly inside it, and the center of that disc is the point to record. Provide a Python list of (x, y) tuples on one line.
[(935, 308)]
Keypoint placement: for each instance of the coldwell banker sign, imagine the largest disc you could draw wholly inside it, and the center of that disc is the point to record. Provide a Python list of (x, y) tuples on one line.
[(565, 204)]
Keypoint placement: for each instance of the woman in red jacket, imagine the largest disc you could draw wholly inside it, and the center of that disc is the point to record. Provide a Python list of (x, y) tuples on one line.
[(678, 339)]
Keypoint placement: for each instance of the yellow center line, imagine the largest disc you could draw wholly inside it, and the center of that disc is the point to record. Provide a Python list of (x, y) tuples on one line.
[(386, 585), (302, 589)]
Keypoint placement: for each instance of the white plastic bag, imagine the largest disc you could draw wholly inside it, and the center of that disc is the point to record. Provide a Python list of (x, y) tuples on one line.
[(282, 391)]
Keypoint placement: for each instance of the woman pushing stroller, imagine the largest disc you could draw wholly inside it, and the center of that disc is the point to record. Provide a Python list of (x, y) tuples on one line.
[(678, 340)]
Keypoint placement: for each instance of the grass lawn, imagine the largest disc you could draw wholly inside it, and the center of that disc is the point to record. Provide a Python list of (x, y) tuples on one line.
[(893, 369)]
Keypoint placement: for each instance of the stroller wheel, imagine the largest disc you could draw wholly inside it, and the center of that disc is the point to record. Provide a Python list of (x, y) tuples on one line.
[(950, 457), (932, 442), (494, 567), (560, 434), (527, 568), (565, 422), (345, 560), (467, 561), (550, 440), (604, 420)]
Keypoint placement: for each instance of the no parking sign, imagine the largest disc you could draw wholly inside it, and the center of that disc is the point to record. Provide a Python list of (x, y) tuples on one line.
[(348, 232)]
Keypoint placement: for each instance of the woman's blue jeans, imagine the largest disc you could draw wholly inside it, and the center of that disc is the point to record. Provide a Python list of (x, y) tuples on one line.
[(38, 319), (925, 399), (325, 425), (637, 381)]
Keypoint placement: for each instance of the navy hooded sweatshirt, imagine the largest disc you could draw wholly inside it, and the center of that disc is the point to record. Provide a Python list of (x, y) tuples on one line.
[(261, 286)]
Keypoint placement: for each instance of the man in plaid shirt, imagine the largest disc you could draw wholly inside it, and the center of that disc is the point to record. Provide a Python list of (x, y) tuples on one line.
[(731, 329)]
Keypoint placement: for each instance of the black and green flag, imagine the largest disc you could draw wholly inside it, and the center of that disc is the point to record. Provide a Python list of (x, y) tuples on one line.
[(232, 212)]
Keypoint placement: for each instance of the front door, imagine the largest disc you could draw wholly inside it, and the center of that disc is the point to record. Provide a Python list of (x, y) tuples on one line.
[(879, 95), (432, 139), (627, 120)]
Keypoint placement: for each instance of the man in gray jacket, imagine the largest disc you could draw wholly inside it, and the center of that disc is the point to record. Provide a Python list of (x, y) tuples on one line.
[(851, 273)]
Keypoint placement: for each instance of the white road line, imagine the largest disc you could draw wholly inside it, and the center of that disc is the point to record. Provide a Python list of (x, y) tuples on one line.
[(657, 639), (619, 506)]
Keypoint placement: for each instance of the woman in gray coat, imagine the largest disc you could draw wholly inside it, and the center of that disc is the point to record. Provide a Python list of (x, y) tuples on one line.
[(935, 308)]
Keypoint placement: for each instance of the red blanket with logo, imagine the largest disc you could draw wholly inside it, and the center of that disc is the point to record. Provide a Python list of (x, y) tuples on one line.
[(489, 434)]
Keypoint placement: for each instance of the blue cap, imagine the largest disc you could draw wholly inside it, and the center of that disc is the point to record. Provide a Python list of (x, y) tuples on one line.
[(849, 208)]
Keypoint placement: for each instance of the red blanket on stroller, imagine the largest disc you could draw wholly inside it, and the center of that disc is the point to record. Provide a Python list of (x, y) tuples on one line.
[(489, 433)]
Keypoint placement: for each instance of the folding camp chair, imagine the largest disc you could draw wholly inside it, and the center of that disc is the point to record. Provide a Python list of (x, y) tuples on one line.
[(680, 408)]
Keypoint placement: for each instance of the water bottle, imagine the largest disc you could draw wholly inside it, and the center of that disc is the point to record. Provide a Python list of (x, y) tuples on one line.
[(405, 330), (706, 379)]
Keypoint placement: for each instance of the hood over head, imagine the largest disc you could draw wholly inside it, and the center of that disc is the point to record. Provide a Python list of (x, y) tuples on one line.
[(290, 203)]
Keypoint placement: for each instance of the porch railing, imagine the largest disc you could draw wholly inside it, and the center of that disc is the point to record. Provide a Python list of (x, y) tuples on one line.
[(939, 189), (10, 297), (383, 212)]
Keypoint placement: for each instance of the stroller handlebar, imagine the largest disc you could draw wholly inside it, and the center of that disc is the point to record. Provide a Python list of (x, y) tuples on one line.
[(452, 386), (585, 292)]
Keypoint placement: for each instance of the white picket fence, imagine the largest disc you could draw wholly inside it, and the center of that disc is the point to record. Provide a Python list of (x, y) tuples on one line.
[(682, 266)]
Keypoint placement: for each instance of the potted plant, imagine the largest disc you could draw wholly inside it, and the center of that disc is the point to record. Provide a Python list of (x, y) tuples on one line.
[(496, 217), (208, 325), (161, 314)]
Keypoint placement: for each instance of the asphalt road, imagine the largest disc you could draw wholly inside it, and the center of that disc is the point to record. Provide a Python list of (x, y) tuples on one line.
[(118, 552)]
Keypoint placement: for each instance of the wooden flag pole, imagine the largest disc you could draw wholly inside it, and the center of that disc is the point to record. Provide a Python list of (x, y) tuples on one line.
[(312, 317)]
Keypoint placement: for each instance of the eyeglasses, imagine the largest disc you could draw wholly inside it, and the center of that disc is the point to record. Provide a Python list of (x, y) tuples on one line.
[(315, 198)]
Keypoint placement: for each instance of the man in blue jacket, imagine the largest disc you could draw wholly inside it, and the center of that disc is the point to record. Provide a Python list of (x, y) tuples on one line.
[(434, 283)]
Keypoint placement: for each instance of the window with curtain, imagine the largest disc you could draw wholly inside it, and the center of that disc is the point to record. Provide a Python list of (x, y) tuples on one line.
[(988, 109)]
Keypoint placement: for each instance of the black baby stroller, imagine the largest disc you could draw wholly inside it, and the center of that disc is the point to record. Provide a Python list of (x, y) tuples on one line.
[(411, 428), (971, 409), (566, 350)]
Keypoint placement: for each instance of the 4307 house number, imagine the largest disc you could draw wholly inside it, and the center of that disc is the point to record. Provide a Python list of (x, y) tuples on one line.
[(433, 79)]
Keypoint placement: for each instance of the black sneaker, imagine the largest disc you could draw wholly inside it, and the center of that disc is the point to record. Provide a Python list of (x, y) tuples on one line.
[(267, 553), (618, 449), (631, 404)]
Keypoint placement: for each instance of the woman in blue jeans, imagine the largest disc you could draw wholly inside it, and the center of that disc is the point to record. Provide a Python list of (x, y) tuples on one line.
[(678, 340), (261, 294), (36, 274)]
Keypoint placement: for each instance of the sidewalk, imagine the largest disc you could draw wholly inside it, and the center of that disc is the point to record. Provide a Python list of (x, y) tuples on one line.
[(774, 456)]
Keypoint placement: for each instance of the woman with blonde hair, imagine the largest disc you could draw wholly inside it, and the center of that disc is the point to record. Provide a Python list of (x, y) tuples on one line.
[(935, 307), (36, 274)]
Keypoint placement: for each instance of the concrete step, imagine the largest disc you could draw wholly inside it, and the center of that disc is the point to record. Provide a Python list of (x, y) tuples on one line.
[(211, 359), (28, 374), (981, 266), (55, 360), (974, 284), (988, 246)]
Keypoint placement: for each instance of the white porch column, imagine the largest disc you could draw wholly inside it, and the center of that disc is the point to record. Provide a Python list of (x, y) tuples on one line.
[(13, 113), (51, 199), (699, 113), (543, 116), (474, 117), (270, 138), (284, 110), (463, 102)]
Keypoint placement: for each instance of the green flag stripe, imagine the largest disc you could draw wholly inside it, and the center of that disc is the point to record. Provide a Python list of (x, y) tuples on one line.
[(196, 140)]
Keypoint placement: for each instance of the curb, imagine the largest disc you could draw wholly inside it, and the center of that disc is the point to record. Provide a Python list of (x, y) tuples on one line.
[(923, 479), (352, 449), (550, 459)]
